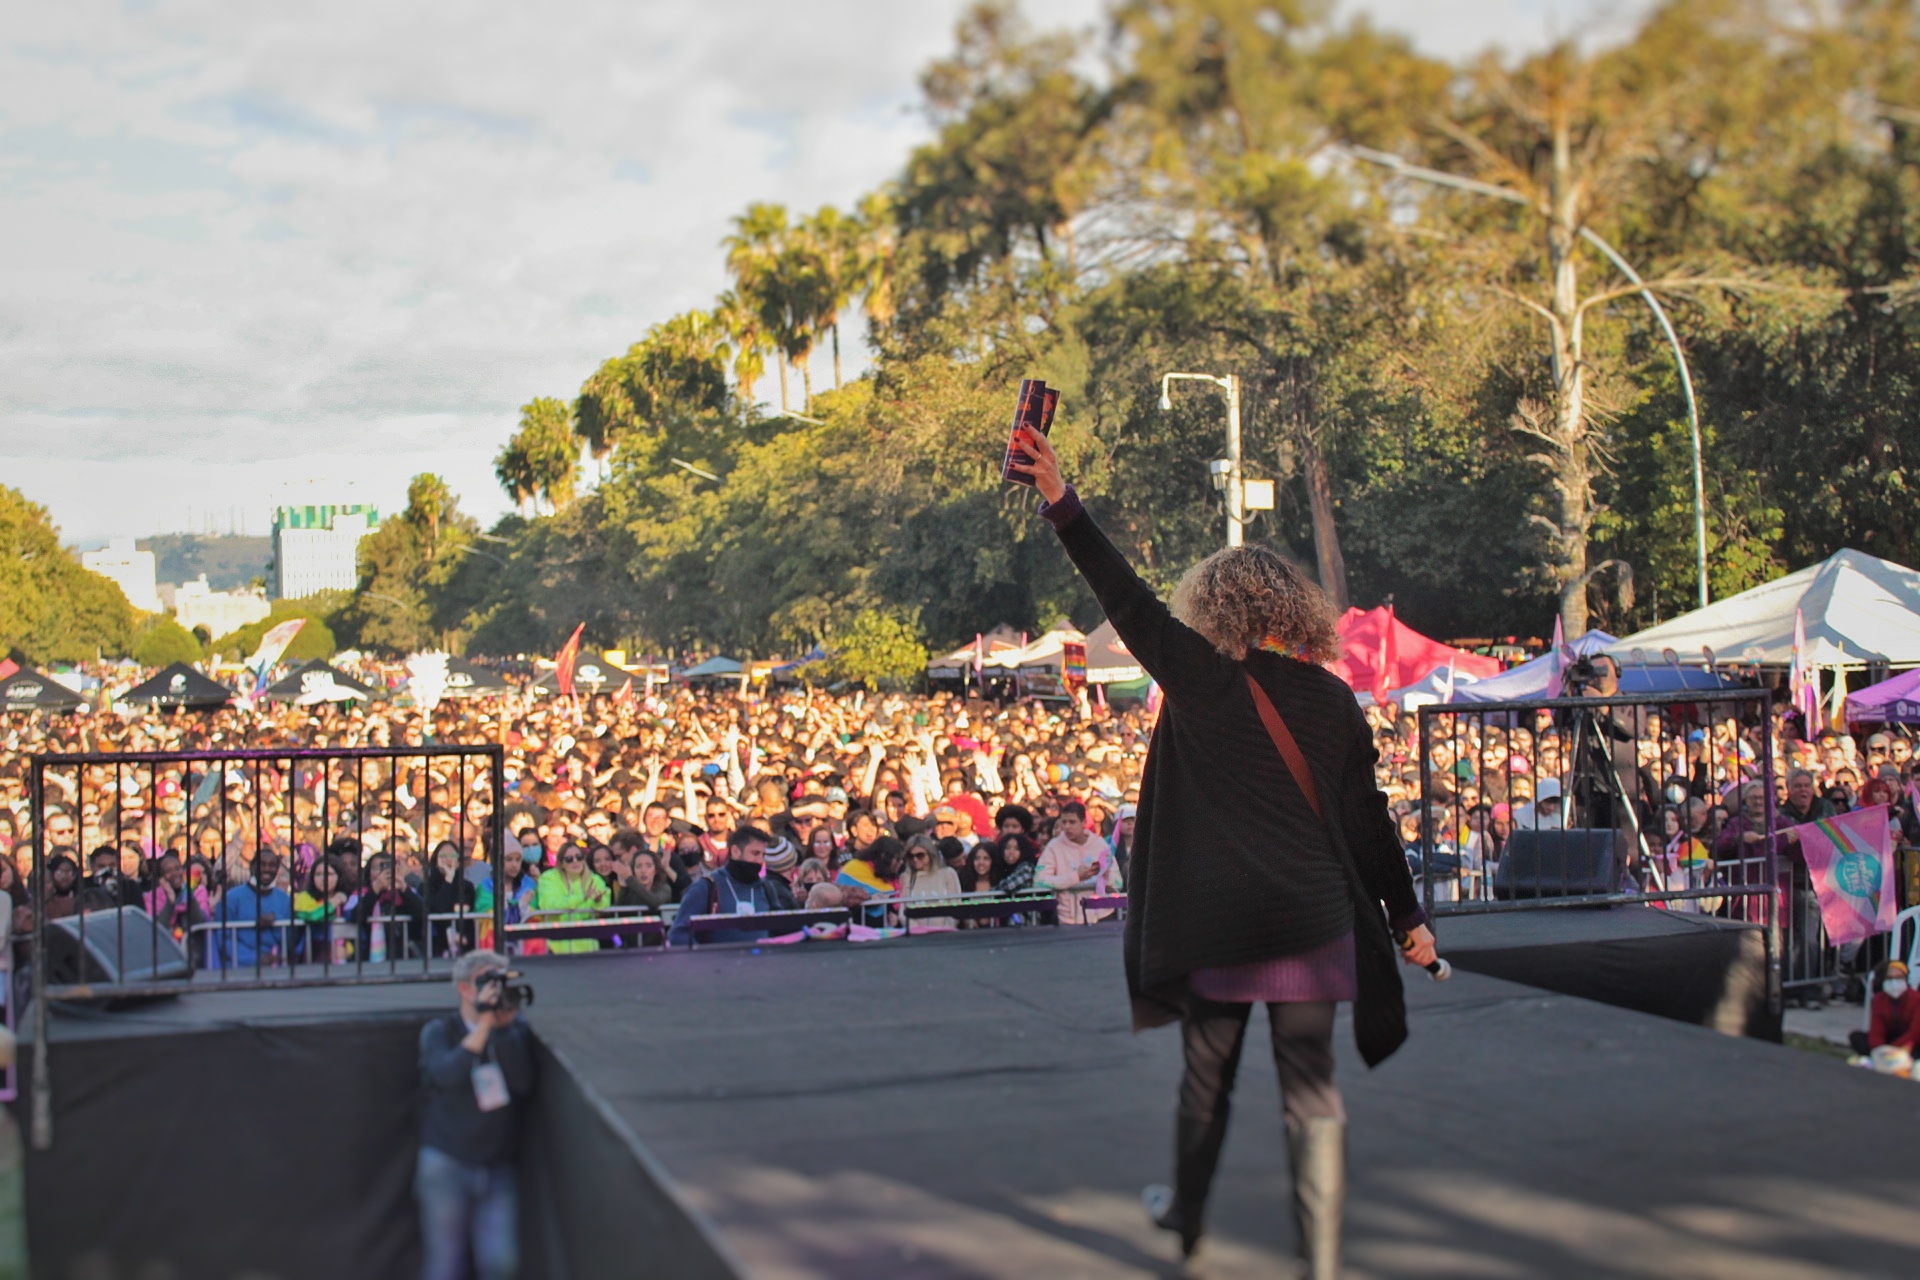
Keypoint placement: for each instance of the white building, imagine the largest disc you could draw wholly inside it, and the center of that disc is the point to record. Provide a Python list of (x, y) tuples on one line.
[(195, 604), (131, 568), (316, 548)]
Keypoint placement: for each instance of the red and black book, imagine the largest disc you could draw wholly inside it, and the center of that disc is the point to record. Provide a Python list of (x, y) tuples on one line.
[(1035, 409)]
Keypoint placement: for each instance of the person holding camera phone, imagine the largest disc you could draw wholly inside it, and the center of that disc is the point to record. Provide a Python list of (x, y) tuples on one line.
[(479, 1071), (1266, 869)]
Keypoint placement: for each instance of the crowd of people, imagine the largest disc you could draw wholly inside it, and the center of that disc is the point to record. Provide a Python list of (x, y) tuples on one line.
[(720, 801), (636, 804)]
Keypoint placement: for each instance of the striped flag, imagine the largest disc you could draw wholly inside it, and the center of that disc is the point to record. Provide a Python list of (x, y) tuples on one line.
[(273, 646)]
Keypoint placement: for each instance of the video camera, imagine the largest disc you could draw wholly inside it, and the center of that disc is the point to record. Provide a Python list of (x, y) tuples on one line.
[(495, 991), (1581, 676)]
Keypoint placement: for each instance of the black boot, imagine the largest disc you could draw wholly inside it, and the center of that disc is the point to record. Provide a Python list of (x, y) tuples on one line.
[(1318, 1149), (1196, 1150)]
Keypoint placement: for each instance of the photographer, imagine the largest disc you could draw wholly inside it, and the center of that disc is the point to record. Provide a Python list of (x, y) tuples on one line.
[(1605, 781), (478, 1068), (106, 889)]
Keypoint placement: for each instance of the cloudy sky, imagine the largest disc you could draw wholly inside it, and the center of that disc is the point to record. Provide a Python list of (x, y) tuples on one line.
[(260, 253)]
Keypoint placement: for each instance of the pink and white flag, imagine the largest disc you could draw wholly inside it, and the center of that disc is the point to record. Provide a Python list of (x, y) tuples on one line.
[(1850, 859)]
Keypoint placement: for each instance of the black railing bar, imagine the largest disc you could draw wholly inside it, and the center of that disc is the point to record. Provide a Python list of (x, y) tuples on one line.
[(242, 754), (1474, 907)]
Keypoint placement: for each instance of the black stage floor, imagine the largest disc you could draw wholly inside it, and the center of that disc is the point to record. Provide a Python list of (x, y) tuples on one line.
[(955, 1106), (968, 1107)]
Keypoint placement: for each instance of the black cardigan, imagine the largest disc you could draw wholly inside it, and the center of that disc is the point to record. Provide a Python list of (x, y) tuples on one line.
[(1230, 864)]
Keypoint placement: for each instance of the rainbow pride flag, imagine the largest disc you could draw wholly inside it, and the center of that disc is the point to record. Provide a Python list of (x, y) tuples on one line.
[(1850, 859)]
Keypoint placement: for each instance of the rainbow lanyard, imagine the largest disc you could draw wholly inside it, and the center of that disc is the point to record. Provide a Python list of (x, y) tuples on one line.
[(1297, 652)]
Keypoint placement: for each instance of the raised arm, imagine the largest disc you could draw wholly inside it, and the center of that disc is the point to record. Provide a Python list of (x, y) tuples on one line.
[(1173, 653)]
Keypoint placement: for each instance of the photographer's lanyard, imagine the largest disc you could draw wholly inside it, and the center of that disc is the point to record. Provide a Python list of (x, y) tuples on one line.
[(489, 1082)]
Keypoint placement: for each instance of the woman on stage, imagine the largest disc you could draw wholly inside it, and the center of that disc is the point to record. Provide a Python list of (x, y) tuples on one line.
[(1265, 867)]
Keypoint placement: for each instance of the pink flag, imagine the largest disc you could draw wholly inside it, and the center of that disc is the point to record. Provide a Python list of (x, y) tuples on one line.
[(1850, 859), (1803, 685)]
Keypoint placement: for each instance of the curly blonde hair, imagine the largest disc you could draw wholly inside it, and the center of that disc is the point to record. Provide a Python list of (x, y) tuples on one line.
[(1241, 596)]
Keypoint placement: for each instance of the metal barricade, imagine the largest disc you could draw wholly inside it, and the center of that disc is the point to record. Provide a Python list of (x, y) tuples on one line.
[(1589, 802), (231, 884)]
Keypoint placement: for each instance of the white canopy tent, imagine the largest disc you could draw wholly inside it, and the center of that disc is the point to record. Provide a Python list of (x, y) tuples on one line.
[(1856, 609), (1044, 654)]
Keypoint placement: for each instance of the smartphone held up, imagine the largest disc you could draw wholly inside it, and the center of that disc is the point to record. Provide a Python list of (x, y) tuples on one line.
[(1035, 410)]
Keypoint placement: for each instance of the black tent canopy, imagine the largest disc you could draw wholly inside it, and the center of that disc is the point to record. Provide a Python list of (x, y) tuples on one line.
[(468, 680), (179, 686), (593, 673), (312, 677), (29, 690)]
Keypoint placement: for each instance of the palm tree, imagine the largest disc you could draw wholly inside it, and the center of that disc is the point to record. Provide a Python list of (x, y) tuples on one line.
[(428, 499), (541, 459), (870, 276), (747, 337), (753, 260), (833, 241)]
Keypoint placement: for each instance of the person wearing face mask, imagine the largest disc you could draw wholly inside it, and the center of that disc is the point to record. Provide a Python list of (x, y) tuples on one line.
[(1894, 1020), (736, 889)]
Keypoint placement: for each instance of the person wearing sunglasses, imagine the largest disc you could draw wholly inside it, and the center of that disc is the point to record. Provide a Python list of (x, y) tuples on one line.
[(570, 891)]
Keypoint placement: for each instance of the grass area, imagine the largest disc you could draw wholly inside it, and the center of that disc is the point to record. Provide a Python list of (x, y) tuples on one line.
[(1814, 1044)]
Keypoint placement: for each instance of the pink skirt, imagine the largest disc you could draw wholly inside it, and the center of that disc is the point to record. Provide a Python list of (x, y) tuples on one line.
[(1324, 973)]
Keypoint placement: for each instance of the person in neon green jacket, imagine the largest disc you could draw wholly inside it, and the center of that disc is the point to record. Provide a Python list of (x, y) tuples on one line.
[(572, 889)]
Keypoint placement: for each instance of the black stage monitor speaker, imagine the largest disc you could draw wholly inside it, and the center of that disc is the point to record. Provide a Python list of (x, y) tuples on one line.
[(1558, 864), (121, 945)]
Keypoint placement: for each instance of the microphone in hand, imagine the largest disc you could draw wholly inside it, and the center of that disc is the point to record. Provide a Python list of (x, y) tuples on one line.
[(1439, 968)]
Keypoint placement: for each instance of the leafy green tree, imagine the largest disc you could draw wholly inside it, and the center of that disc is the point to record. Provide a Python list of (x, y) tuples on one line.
[(878, 648), (159, 641), (420, 574), (51, 608)]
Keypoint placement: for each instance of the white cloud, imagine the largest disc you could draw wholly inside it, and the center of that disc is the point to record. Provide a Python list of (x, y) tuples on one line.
[(246, 248)]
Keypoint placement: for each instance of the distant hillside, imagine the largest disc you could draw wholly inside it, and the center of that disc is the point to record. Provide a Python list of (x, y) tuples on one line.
[(228, 562)]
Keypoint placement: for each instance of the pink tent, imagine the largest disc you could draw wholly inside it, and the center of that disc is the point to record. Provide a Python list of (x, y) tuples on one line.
[(1385, 653)]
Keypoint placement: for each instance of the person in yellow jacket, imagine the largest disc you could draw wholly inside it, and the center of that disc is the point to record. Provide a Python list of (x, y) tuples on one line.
[(572, 889)]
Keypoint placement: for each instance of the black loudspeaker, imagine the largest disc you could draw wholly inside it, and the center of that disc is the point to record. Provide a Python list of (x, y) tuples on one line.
[(1558, 864), (121, 945)]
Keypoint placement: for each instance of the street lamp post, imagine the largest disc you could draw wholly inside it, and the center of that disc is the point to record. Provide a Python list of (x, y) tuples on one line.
[(1235, 488), (1440, 178)]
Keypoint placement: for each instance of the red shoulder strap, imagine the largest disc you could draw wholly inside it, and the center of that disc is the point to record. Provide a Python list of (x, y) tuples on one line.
[(1283, 742)]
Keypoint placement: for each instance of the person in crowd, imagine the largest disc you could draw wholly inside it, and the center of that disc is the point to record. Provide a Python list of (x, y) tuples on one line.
[(981, 871), (820, 845), (876, 868), (928, 876), (738, 889), (1019, 861), (1803, 802), (319, 907), (1893, 1019), (1075, 864), (255, 915), (862, 831), (519, 890), (1267, 869), (646, 886), (479, 1072), (107, 889), (782, 860), (605, 864), (448, 893), (809, 873), (389, 917), (570, 891), (1122, 837)]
